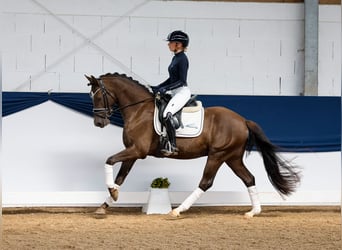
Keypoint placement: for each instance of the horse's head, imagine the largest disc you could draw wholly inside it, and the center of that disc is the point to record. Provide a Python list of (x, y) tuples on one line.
[(103, 101)]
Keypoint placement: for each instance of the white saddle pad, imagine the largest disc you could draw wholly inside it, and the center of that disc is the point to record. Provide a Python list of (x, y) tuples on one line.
[(192, 119)]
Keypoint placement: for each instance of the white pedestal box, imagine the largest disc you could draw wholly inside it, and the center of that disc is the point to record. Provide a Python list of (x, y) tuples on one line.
[(158, 202)]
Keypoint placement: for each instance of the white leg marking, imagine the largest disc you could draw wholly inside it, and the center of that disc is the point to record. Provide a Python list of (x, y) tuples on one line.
[(256, 207), (109, 176), (109, 200), (192, 198)]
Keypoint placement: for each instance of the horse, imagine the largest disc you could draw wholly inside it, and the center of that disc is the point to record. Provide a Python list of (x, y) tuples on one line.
[(225, 138)]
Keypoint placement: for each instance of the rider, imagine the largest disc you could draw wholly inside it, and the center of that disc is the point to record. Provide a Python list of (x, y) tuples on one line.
[(175, 85)]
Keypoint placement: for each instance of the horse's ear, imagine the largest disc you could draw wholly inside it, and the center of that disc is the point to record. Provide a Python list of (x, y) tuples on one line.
[(93, 78), (88, 77)]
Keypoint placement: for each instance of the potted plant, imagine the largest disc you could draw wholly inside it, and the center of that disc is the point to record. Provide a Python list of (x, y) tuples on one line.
[(160, 182), (158, 200)]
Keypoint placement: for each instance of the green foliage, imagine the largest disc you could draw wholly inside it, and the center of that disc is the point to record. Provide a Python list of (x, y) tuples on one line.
[(160, 183)]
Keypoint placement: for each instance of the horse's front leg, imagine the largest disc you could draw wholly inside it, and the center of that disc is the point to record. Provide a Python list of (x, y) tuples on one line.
[(128, 158), (113, 187), (125, 168)]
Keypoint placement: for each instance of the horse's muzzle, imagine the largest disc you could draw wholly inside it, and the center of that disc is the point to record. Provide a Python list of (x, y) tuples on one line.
[(100, 122)]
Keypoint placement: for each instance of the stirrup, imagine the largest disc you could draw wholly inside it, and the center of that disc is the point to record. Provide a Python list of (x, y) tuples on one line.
[(169, 149)]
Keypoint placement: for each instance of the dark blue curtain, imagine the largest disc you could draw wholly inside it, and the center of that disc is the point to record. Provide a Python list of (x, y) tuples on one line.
[(294, 123), (13, 102)]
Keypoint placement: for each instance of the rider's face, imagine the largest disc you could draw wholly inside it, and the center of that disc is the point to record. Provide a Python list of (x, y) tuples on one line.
[(172, 46), (175, 46)]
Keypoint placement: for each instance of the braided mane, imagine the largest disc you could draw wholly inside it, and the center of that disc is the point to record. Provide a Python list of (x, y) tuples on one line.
[(116, 74)]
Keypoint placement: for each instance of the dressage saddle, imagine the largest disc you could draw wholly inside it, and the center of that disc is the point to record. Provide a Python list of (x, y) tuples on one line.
[(161, 103)]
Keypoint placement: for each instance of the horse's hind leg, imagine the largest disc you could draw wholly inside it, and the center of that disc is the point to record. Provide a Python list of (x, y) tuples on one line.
[(206, 182), (248, 179)]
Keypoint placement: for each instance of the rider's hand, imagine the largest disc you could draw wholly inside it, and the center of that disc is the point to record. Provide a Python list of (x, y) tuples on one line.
[(155, 89), (162, 90)]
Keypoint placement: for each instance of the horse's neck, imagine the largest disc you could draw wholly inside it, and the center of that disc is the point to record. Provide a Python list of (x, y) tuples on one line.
[(128, 93)]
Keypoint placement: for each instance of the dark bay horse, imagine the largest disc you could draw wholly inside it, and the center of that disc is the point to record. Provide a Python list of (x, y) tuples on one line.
[(224, 139)]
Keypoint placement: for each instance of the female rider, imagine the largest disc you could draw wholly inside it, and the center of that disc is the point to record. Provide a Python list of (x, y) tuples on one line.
[(175, 85)]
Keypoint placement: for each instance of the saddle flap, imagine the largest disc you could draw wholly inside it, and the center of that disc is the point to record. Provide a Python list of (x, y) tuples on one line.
[(192, 123)]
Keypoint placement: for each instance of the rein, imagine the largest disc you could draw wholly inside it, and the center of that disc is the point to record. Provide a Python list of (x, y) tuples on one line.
[(132, 104), (109, 110)]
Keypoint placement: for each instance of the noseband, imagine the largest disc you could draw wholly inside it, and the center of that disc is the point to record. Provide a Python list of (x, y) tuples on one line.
[(107, 110)]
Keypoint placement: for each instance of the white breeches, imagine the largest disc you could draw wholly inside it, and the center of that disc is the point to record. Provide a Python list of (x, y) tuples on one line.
[(180, 97)]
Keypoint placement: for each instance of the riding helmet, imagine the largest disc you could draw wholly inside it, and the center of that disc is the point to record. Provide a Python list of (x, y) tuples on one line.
[(178, 36)]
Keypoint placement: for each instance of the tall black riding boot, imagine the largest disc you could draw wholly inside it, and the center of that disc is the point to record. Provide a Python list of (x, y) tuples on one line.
[(170, 146)]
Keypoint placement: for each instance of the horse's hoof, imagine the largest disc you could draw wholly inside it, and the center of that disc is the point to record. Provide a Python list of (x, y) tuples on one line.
[(114, 193), (100, 213), (174, 214), (251, 214)]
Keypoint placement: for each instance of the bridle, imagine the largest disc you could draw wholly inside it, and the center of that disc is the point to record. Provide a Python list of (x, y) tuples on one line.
[(108, 110)]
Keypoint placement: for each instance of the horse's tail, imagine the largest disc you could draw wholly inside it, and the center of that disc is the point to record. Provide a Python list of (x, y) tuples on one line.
[(283, 176)]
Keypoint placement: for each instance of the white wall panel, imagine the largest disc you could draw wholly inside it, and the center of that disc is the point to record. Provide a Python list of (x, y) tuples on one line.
[(266, 85), (30, 62), (57, 62), (146, 71), (291, 84), (111, 67), (14, 79), (89, 7), (55, 24), (255, 65), (330, 13), (247, 31), (240, 47), (116, 25), (69, 42), (223, 29), (16, 43), (290, 48), (165, 25), (46, 82), (292, 30), (20, 6), (259, 29), (87, 25), (43, 43), (29, 24), (7, 23), (11, 62), (88, 63), (269, 48), (239, 84), (329, 67), (143, 27), (73, 82)]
